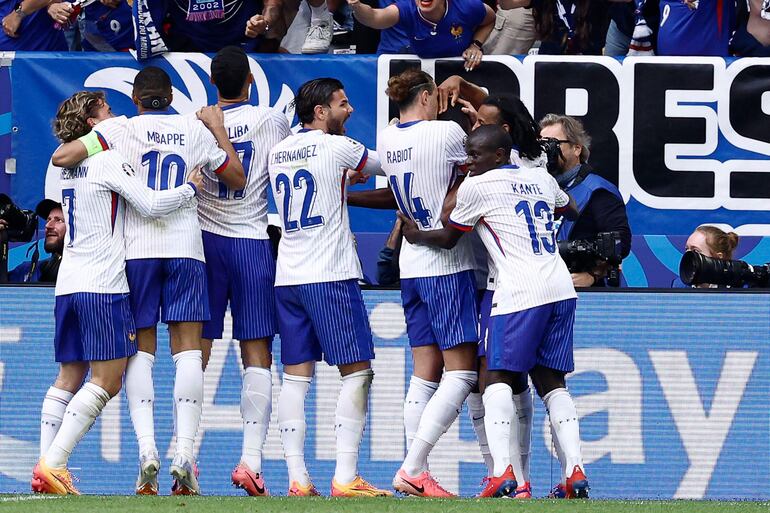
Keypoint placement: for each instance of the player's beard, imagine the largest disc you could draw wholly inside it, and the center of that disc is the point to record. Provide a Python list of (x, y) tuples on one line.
[(336, 126)]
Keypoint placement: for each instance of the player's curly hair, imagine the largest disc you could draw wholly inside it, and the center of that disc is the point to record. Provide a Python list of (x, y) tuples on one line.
[(404, 87), (71, 120)]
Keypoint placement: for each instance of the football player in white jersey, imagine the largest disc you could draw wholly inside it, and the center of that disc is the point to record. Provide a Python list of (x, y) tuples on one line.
[(94, 324), (240, 265), (321, 313), (533, 309), (420, 155), (508, 112), (165, 261)]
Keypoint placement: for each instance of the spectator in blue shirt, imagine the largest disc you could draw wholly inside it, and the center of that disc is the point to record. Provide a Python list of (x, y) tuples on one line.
[(696, 27), (107, 26), (206, 26), (436, 28), (27, 26)]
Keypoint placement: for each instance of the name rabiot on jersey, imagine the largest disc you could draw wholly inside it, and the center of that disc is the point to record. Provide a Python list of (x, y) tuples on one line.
[(419, 159), (93, 203), (513, 211), (309, 184), (163, 148), (242, 213)]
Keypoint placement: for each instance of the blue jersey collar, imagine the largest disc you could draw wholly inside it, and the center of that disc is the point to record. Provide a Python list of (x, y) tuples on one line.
[(234, 105)]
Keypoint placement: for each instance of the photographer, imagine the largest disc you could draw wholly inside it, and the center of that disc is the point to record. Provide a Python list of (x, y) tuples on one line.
[(711, 242), (44, 271), (600, 205)]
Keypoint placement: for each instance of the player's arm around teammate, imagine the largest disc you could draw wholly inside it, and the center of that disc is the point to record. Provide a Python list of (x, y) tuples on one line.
[(233, 175)]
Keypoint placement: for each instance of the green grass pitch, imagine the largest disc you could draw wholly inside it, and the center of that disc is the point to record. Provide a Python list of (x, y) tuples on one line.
[(46, 504)]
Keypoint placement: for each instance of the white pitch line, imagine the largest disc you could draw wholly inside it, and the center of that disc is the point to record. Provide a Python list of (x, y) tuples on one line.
[(21, 498)]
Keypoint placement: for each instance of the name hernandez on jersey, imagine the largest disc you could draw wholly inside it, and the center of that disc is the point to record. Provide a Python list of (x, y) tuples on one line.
[(309, 183), (242, 213), (164, 148), (420, 159), (513, 211), (93, 200)]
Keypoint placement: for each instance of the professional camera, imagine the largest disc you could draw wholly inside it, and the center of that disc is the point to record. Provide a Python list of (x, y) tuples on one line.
[(696, 268), (584, 255), (21, 223), (552, 148)]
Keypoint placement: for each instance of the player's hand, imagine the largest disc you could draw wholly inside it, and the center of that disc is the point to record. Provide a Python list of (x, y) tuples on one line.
[(257, 25), (60, 12), (3, 224), (354, 4), (196, 178), (408, 228), (472, 56), (112, 4), (212, 116), (11, 24), (356, 177), (583, 279), (449, 92), (469, 111)]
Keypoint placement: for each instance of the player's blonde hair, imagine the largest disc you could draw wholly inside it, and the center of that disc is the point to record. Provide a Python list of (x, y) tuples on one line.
[(72, 117)]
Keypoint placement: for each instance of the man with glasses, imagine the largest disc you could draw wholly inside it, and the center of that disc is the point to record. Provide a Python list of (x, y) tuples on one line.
[(599, 201)]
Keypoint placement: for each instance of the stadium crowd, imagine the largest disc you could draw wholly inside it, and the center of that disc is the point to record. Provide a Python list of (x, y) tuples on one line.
[(429, 28)]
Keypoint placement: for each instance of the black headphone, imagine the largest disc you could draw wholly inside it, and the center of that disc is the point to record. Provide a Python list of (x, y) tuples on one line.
[(154, 102)]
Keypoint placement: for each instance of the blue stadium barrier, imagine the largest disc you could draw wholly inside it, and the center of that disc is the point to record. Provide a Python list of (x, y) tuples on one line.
[(672, 390)]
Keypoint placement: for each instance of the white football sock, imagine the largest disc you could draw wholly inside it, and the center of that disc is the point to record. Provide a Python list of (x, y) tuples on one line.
[(318, 14), (498, 418), (188, 398), (564, 419), (51, 414), (81, 412), (256, 406), (476, 413), (524, 412), (291, 421), (439, 413), (140, 392), (559, 454), (417, 397), (349, 421)]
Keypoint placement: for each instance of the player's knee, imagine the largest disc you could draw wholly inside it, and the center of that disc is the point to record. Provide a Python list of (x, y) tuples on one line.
[(71, 376), (256, 353)]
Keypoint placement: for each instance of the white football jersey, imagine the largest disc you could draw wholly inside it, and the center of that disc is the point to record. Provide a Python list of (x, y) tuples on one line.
[(243, 213), (512, 209), (92, 198), (516, 159), (309, 183), (419, 159), (163, 149)]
